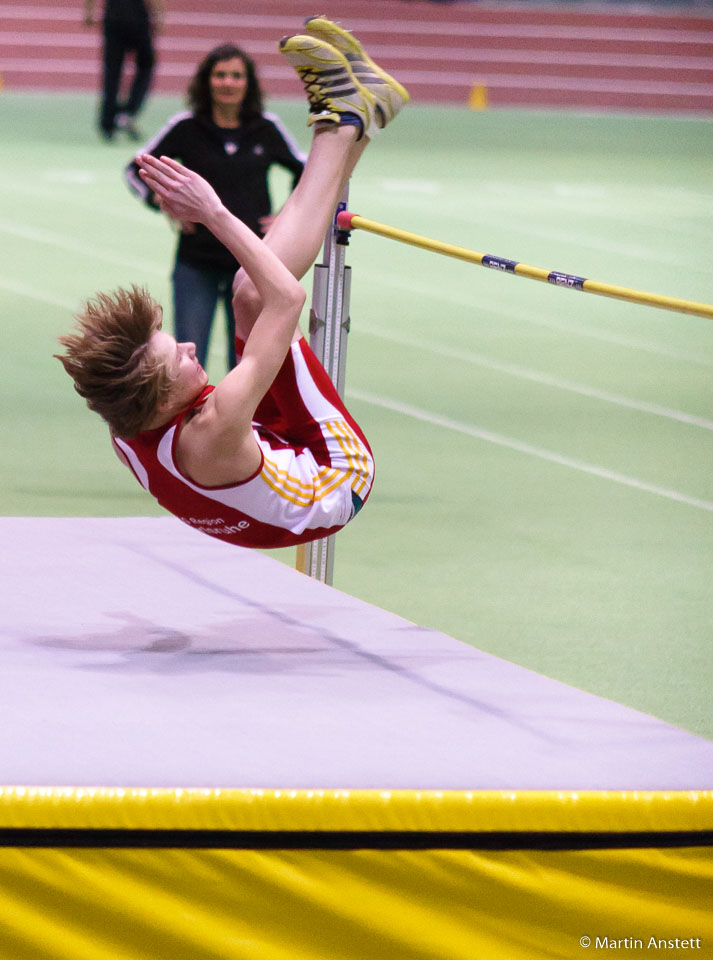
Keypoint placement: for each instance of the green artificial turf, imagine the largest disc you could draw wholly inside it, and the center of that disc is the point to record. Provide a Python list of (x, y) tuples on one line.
[(544, 486)]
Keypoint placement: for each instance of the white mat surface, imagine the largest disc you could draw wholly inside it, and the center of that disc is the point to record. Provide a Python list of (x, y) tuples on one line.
[(135, 652)]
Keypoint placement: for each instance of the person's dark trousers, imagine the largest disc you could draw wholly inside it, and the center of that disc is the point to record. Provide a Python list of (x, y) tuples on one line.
[(120, 39), (196, 291)]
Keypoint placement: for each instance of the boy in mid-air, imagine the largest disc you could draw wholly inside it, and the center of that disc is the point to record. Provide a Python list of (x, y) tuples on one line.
[(270, 457)]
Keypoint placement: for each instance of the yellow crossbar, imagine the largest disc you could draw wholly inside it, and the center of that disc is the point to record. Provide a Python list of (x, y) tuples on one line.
[(351, 221)]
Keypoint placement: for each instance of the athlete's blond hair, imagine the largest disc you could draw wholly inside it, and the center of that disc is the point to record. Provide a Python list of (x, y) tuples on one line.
[(110, 362)]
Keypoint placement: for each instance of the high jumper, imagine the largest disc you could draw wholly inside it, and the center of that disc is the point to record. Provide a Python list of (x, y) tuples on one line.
[(270, 457)]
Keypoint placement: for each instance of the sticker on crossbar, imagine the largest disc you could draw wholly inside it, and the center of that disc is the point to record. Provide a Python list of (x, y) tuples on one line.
[(566, 280), (499, 263)]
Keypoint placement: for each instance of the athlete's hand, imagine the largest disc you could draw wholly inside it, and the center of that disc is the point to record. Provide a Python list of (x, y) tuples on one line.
[(179, 226), (181, 193), (266, 223)]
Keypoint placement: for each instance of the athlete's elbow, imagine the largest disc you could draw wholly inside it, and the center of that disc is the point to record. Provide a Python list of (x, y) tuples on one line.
[(298, 295), (290, 298)]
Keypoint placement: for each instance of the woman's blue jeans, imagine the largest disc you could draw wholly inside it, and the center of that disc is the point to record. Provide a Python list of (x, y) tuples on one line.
[(196, 292)]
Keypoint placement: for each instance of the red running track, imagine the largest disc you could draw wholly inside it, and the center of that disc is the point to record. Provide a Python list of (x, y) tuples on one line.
[(626, 59)]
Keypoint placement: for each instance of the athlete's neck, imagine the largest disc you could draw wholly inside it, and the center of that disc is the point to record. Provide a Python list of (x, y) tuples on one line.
[(166, 415)]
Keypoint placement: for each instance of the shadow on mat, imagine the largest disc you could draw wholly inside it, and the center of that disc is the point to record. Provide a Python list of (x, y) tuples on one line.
[(242, 646)]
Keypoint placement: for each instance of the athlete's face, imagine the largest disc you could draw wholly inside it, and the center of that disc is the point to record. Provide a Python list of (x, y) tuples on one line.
[(187, 375), (228, 83)]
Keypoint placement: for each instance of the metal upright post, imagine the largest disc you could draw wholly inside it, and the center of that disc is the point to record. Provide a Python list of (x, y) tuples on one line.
[(328, 329)]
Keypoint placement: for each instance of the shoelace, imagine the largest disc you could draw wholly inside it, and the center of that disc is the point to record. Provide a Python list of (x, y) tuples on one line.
[(316, 96)]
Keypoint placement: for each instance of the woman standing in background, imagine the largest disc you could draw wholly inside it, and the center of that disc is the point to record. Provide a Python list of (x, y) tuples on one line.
[(229, 140)]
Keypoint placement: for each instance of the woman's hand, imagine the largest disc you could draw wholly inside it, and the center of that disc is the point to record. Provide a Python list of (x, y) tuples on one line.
[(181, 193)]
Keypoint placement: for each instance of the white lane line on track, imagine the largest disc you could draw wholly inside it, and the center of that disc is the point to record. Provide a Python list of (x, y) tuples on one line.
[(525, 226), (630, 343), (66, 195), (630, 251), (524, 373), (69, 179), (527, 199), (426, 416), (36, 235), (22, 290), (466, 356), (437, 420), (440, 295)]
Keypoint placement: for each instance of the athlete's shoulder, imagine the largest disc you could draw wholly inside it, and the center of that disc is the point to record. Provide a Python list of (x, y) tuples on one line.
[(213, 453)]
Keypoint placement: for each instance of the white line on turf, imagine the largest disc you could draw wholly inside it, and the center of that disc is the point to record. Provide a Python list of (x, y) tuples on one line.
[(630, 251), (524, 373), (441, 294), (22, 290), (36, 235), (522, 206), (426, 416), (66, 194)]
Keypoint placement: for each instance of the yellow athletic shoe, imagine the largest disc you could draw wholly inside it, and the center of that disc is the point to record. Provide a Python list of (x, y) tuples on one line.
[(389, 94), (331, 87)]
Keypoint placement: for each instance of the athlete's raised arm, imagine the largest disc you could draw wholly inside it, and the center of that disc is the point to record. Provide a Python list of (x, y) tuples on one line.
[(187, 196)]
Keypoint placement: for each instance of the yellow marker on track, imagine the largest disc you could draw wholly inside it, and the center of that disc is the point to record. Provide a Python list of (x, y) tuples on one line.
[(478, 98), (351, 221)]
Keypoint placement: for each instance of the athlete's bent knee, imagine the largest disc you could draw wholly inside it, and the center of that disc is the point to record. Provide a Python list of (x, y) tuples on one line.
[(246, 300)]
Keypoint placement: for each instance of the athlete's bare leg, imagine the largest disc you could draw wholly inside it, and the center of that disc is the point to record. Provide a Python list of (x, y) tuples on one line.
[(343, 86), (297, 233)]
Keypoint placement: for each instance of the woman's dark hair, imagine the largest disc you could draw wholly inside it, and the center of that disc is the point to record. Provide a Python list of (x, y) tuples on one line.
[(198, 95)]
